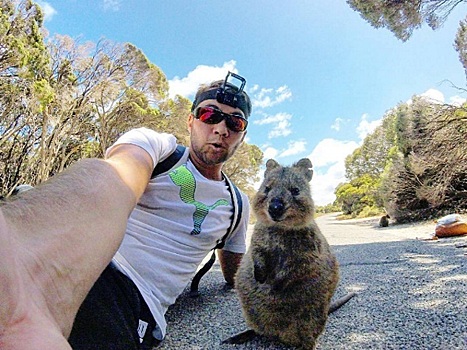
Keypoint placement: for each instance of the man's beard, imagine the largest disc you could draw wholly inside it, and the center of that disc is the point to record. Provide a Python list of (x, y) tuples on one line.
[(209, 160)]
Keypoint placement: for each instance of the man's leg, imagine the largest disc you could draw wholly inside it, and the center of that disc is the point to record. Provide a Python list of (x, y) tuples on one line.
[(108, 317), (113, 316)]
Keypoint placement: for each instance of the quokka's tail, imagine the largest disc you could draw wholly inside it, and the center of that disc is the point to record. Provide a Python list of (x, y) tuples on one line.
[(339, 302), (241, 338)]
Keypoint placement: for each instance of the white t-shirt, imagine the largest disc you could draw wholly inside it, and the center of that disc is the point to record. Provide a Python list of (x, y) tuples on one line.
[(175, 224)]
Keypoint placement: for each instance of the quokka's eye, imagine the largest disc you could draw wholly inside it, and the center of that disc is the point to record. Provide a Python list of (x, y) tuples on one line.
[(267, 189), (295, 191)]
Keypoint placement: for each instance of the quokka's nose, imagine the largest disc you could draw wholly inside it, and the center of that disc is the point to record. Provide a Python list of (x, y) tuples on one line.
[(276, 208)]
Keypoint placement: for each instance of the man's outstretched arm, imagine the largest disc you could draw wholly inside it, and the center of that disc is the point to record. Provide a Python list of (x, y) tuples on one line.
[(55, 241)]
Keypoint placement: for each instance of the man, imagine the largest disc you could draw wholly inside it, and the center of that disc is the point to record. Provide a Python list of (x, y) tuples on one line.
[(56, 240)]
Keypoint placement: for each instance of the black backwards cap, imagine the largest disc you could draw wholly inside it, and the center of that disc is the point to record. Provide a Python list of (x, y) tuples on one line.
[(228, 94)]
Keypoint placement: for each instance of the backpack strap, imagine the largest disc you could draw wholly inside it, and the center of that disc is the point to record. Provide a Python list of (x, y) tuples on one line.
[(234, 222), (237, 214), (169, 162)]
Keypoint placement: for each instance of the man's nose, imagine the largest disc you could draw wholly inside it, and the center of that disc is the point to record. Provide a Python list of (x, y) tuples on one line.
[(221, 128)]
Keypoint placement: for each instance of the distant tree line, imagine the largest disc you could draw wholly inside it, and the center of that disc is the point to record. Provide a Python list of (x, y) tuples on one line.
[(414, 166), (62, 100)]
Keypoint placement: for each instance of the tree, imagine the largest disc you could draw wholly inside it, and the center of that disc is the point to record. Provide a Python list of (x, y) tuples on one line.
[(23, 62), (62, 100), (127, 92), (174, 117), (94, 93), (243, 167), (460, 44), (21, 41), (402, 17), (366, 167), (356, 195), (76, 106), (413, 165), (371, 157), (427, 175)]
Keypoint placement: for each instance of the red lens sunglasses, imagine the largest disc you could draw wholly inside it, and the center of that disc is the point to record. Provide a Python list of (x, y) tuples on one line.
[(211, 115)]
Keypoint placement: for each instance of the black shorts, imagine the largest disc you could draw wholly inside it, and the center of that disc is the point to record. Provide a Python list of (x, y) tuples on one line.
[(111, 314)]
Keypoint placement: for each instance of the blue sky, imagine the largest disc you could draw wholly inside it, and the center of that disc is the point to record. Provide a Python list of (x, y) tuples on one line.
[(321, 77)]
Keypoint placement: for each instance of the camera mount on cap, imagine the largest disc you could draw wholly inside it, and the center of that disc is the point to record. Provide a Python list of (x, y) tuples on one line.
[(226, 95)]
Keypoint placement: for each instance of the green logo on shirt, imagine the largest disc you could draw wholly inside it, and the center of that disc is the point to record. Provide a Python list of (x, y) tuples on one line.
[(184, 178)]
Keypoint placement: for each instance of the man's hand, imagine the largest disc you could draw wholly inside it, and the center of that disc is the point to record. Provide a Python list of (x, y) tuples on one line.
[(229, 263)]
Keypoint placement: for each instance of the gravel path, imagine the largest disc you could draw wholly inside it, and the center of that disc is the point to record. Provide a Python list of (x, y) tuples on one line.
[(411, 294)]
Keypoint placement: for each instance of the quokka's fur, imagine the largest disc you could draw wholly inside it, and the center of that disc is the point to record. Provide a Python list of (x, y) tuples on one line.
[(289, 274)]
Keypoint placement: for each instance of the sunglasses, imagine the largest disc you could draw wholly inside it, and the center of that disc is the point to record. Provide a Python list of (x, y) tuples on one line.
[(210, 115)]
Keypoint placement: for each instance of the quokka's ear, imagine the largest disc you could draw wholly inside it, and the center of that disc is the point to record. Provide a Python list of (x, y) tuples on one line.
[(305, 166), (271, 164)]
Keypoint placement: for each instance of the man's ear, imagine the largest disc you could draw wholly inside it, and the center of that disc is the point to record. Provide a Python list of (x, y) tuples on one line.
[(189, 122), (243, 137)]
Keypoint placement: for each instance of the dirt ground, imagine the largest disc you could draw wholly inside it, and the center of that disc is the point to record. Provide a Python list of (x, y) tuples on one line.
[(410, 294)]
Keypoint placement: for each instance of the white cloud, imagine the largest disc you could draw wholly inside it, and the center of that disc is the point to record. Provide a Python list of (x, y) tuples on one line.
[(273, 119), (202, 74), (268, 97), (331, 151), (270, 153), (437, 97), (112, 5), (325, 181), (457, 101), (367, 127), (433, 96), (337, 124), (264, 98), (328, 159), (293, 147), (280, 122), (47, 10), (282, 129)]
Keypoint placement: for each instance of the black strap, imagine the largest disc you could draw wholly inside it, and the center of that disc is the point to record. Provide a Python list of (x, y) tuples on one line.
[(169, 162), (194, 292), (237, 215)]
